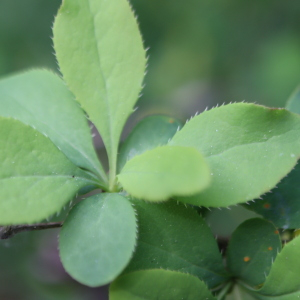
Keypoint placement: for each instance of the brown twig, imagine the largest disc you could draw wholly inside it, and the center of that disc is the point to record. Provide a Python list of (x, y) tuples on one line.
[(7, 232)]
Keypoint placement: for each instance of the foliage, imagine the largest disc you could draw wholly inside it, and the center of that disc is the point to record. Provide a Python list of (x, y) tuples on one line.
[(226, 156)]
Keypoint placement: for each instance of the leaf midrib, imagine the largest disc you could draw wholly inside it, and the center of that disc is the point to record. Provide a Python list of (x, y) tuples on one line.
[(105, 98), (247, 144), (49, 176)]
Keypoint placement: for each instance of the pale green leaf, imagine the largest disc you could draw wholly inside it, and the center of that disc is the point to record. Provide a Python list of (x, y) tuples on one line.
[(41, 99), (174, 237), (36, 179), (252, 249), (151, 132), (101, 56), (158, 285), (163, 172), (98, 238), (249, 148)]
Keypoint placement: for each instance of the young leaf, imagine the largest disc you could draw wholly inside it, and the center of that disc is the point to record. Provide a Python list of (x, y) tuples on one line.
[(98, 238), (158, 285), (41, 99), (250, 148), (164, 172), (283, 280), (36, 179), (252, 250), (293, 104), (175, 237), (151, 132), (101, 55), (282, 206)]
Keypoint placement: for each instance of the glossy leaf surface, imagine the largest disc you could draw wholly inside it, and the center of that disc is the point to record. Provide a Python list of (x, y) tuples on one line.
[(158, 285), (249, 148), (98, 238), (174, 237), (252, 249), (36, 179), (101, 56), (165, 171), (41, 99), (151, 132)]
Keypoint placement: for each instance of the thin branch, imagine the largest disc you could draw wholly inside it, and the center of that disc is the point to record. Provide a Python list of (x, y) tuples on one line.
[(7, 232)]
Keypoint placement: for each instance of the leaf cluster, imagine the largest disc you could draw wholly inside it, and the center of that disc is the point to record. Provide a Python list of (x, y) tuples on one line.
[(143, 232)]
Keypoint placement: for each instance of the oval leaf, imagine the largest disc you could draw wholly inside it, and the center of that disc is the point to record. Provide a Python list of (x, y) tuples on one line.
[(178, 240), (100, 52), (165, 171), (41, 99), (151, 132), (250, 148), (36, 179), (98, 238), (252, 250), (158, 285)]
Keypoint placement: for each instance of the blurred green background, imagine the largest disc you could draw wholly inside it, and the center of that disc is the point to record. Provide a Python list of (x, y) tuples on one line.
[(201, 53)]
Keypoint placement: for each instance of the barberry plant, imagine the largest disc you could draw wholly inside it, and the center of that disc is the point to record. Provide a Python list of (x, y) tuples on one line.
[(143, 232)]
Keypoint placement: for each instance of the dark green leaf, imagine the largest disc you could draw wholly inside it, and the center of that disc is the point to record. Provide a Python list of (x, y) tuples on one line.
[(172, 236), (282, 205), (283, 281), (252, 250), (158, 285), (151, 132)]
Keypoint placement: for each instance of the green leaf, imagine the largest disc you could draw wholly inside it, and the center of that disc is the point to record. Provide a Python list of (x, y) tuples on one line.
[(36, 179), (164, 172), (252, 250), (284, 275), (40, 99), (100, 53), (98, 238), (158, 285), (282, 206), (293, 104), (249, 148), (293, 296), (172, 236), (151, 132)]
